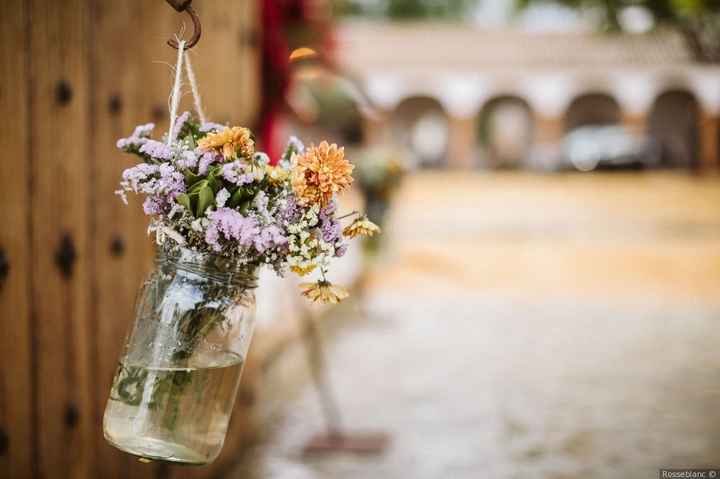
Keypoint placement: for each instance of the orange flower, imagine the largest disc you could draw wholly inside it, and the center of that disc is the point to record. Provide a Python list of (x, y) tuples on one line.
[(229, 142), (319, 173)]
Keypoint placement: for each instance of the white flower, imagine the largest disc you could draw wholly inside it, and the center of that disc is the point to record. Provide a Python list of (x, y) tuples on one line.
[(222, 197)]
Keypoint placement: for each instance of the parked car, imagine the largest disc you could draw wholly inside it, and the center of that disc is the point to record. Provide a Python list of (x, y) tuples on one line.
[(592, 147)]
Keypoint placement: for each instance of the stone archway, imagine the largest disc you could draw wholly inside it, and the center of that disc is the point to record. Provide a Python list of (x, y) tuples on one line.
[(505, 130), (421, 124), (592, 109), (674, 128)]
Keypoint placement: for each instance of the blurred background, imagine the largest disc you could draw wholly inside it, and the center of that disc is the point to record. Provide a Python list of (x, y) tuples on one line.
[(542, 301)]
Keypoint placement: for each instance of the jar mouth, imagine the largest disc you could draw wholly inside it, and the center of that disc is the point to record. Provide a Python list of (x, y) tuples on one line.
[(214, 266)]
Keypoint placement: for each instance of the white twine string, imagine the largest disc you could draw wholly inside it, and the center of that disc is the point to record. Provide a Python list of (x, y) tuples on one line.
[(194, 88), (175, 95)]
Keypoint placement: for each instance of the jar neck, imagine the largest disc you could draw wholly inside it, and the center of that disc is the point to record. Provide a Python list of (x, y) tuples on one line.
[(216, 267)]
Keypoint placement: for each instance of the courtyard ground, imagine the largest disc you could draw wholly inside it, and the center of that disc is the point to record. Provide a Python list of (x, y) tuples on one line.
[(523, 326)]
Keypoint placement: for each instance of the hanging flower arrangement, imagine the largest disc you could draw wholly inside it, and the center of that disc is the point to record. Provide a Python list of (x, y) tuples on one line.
[(208, 189)]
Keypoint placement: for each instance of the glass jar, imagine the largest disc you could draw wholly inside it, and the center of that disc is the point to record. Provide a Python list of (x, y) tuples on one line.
[(176, 383)]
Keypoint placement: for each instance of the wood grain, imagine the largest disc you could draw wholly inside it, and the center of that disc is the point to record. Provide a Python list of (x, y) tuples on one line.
[(16, 454), (60, 203)]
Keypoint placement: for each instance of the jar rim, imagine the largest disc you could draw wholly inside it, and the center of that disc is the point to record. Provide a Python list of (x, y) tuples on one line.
[(208, 264)]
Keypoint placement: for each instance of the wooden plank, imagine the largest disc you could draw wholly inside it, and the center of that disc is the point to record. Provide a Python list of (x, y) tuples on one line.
[(16, 435), (226, 61), (128, 90), (60, 238)]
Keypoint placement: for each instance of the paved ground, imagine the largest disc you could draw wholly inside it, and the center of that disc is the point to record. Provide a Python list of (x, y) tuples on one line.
[(525, 326)]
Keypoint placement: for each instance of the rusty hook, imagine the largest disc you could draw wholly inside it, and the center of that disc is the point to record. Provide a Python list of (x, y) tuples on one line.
[(184, 6)]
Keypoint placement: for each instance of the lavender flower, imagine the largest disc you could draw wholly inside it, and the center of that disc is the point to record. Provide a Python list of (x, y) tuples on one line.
[(290, 212), (137, 139), (179, 124), (341, 250), (269, 237), (152, 206), (157, 149), (232, 226), (209, 126), (236, 173), (206, 160), (171, 182), (188, 160)]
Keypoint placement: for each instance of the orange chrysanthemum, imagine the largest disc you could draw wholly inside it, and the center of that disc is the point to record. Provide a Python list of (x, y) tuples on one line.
[(319, 173), (229, 142)]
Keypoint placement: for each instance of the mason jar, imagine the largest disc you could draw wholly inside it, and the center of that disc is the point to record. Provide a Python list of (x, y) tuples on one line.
[(177, 378)]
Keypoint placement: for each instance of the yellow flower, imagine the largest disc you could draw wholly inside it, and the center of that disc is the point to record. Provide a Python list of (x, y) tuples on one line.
[(319, 173), (324, 292), (361, 226), (303, 270), (229, 142), (276, 174)]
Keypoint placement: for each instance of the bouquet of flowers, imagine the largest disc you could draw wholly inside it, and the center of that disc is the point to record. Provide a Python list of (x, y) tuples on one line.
[(380, 171), (207, 189)]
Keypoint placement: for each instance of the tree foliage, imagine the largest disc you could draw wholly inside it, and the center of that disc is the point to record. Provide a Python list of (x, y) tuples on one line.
[(405, 9), (697, 20)]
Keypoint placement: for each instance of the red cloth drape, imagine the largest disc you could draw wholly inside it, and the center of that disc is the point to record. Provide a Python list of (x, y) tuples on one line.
[(308, 22)]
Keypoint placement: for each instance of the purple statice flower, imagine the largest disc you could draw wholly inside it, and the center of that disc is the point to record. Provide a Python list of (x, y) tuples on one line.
[(152, 206), (269, 237), (188, 160), (157, 149), (296, 144), (206, 160), (235, 173), (139, 177), (291, 212), (138, 138), (232, 226), (209, 126), (330, 228), (171, 182), (179, 124)]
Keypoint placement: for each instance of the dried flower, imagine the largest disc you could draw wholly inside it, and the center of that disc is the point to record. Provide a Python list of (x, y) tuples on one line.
[(276, 174), (229, 142), (319, 173), (361, 227), (303, 270), (324, 292)]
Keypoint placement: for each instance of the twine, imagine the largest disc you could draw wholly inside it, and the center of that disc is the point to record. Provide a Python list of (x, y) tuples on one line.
[(194, 88), (175, 95)]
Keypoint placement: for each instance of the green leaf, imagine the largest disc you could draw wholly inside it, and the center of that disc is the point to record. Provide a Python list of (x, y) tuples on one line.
[(191, 178), (184, 200), (205, 199), (215, 184), (195, 189), (236, 198)]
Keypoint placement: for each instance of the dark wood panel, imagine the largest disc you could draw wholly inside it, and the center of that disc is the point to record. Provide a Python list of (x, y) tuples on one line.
[(60, 238)]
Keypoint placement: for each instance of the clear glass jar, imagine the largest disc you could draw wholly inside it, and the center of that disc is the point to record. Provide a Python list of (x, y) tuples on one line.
[(176, 383)]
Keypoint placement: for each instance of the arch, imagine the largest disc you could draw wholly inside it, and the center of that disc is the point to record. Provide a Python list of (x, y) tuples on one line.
[(505, 130), (592, 109), (674, 128), (421, 124)]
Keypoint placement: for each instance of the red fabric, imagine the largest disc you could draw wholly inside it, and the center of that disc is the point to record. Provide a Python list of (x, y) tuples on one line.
[(280, 18), (275, 70)]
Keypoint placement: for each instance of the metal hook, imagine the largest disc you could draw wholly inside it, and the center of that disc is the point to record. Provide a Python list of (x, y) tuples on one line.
[(184, 6)]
